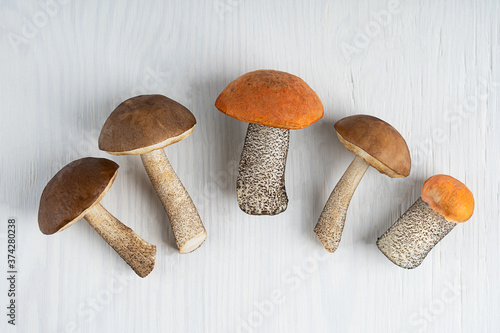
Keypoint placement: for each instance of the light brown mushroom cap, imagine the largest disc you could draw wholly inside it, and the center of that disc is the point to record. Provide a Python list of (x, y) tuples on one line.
[(73, 191), (376, 142), (145, 123)]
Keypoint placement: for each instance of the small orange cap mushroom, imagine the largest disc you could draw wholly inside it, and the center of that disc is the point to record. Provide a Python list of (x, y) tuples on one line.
[(448, 197)]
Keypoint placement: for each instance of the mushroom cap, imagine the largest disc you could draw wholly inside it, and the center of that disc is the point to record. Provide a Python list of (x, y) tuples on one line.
[(145, 123), (73, 191), (376, 142), (271, 98), (448, 197)]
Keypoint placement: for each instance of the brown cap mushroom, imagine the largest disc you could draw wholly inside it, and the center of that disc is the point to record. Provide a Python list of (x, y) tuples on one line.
[(375, 143), (272, 102), (144, 125), (75, 192), (444, 203)]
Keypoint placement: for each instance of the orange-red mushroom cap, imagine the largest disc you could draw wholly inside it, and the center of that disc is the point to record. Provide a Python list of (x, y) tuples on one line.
[(449, 197), (271, 98)]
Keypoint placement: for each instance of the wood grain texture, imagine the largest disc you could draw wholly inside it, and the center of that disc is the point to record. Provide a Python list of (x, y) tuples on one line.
[(430, 69)]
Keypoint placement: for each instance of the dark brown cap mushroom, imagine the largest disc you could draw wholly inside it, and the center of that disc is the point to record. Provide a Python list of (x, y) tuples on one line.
[(445, 202), (144, 125), (75, 192), (272, 102), (375, 143)]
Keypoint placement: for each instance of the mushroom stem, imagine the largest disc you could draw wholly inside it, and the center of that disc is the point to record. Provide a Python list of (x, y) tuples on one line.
[(331, 222), (137, 253), (261, 174), (414, 234), (188, 229)]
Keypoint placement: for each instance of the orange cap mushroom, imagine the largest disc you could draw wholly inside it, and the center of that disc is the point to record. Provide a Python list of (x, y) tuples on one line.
[(448, 197), (444, 203), (271, 98), (273, 103)]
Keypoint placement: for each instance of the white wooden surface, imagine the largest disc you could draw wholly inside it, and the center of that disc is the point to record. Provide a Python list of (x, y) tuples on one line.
[(431, 69)]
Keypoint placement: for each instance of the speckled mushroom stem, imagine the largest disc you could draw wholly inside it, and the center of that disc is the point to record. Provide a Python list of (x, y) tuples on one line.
[(260, 184), (139, 254), (331, 222), (188, 229), (414, 234)]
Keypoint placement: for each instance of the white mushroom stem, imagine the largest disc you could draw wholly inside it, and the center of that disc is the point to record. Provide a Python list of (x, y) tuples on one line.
[(260, 184), (188, 229), (414, 234), (139, 254), (331, 222)]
